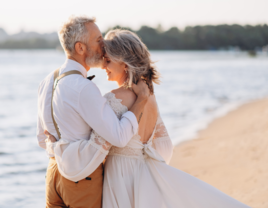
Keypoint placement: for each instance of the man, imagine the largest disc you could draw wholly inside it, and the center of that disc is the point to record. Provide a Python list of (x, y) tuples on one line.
[(78, 107)]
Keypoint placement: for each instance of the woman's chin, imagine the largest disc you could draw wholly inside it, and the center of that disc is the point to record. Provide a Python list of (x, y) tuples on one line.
[(109, 78)]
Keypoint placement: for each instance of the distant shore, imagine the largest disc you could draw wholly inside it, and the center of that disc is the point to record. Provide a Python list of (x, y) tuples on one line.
[(250, 38), (231, 154)]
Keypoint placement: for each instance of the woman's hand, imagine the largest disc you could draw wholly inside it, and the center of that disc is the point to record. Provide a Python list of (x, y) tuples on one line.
[(141, 89), (50, 137)]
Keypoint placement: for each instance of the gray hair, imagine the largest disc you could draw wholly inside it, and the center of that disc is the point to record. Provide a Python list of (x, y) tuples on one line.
[(74, 30), (125, 46)]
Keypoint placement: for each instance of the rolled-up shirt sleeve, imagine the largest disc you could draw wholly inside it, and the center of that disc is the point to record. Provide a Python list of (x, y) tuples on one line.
[(93, 108)]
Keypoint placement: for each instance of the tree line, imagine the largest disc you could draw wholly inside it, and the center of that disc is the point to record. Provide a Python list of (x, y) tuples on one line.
[(33, 43), (208, 37)]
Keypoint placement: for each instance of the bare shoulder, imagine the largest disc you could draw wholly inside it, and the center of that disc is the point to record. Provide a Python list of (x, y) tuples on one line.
[(127, 96)]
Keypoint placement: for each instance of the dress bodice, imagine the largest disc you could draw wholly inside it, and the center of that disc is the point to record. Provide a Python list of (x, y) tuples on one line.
[(135, 148)]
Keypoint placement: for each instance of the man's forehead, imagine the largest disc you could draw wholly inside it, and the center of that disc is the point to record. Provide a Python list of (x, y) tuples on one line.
[(93, 30)]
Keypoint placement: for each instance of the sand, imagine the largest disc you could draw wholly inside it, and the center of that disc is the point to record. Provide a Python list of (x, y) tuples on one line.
[(232, 154)]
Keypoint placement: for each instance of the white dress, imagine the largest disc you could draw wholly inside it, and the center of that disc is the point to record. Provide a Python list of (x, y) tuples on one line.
[(138, 175)]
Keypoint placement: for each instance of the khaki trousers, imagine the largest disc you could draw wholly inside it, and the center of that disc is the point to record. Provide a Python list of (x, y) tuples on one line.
[(61, 192)]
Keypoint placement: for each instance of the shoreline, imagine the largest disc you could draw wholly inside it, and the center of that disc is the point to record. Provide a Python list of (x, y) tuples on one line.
[(231, 153), (206, 121)]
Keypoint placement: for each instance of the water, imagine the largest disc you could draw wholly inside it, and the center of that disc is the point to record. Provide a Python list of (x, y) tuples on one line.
[(196, 87)]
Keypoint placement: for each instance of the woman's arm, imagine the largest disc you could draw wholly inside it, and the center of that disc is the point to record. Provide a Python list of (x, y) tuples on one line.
[(162, 142), (76, 160)]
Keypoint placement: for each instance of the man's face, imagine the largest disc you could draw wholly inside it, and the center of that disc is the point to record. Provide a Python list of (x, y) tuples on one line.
[(95, 52)]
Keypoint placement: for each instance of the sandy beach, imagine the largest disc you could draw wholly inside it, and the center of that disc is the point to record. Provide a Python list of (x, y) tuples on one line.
[(232, 154)]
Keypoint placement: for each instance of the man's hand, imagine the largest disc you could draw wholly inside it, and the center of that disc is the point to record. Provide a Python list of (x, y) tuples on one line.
[(50, 137), (141, 90)]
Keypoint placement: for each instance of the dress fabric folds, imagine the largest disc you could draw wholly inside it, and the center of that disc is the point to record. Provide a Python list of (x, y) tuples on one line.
[(138, 175)]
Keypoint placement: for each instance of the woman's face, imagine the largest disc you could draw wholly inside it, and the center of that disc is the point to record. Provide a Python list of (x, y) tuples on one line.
[(116, 71)]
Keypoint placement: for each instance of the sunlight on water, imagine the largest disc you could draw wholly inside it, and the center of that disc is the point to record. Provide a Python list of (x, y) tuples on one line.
[(196, 87)]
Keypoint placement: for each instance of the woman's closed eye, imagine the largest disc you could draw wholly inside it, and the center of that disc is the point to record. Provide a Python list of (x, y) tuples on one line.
[(107, 60)]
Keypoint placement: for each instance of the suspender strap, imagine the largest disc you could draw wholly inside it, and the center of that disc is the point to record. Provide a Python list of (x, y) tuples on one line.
[(57, 78), (56, 74)]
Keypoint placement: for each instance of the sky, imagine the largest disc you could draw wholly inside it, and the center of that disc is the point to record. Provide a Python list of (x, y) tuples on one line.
[(46, 16)]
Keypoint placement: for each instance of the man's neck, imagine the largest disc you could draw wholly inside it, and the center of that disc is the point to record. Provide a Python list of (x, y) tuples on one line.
[(78, 60)]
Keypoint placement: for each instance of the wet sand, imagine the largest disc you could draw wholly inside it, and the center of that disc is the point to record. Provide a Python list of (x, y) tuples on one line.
[(232, 154)]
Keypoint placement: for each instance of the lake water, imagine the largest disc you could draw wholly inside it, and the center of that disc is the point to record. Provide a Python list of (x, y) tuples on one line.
[(196, 87)]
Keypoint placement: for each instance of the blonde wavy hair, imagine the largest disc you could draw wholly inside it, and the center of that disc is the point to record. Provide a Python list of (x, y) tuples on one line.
[(125, 46)]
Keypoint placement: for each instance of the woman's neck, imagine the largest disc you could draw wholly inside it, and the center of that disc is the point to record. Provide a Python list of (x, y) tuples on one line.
[(122, 80)]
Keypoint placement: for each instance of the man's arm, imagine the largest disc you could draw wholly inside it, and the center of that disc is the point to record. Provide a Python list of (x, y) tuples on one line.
[(99, 115), (40, 130), (40, 134)]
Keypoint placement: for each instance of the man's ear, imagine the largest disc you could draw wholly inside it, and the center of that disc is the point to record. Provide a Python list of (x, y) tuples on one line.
[(80, 48)]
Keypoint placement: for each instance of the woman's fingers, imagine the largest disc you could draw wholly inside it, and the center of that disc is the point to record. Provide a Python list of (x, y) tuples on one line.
[(141, 89), (50, 137), (47, 133)]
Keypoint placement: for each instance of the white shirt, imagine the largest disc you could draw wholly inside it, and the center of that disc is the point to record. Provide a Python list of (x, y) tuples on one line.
[(79, 107), (75, 159)]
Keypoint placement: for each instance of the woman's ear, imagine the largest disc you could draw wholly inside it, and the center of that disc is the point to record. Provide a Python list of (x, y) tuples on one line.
[(126, 67)]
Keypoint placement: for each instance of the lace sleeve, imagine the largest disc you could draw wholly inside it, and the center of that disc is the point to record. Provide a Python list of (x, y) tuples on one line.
[(95, 140), (99, 142), (119, 109), (78, 159), (162, 142), (50, 148)]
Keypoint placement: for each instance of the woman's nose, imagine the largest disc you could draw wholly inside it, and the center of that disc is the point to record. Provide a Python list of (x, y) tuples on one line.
[(103, 65)]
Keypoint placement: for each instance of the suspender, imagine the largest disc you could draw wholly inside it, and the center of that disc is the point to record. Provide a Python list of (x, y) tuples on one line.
[(57, 78)]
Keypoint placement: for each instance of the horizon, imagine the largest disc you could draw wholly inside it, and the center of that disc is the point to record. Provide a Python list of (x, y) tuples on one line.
[(136, 29), (46, 17)]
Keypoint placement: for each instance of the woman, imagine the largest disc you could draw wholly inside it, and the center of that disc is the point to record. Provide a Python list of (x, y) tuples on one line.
[(138, 175)]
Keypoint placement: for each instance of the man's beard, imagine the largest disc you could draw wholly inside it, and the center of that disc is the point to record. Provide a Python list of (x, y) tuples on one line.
[(94, 59)]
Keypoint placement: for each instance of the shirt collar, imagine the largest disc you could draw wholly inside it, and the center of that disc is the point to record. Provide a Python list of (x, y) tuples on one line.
[(73, 65)]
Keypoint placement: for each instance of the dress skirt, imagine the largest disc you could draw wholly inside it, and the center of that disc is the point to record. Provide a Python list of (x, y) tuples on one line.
[(144, 182)]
